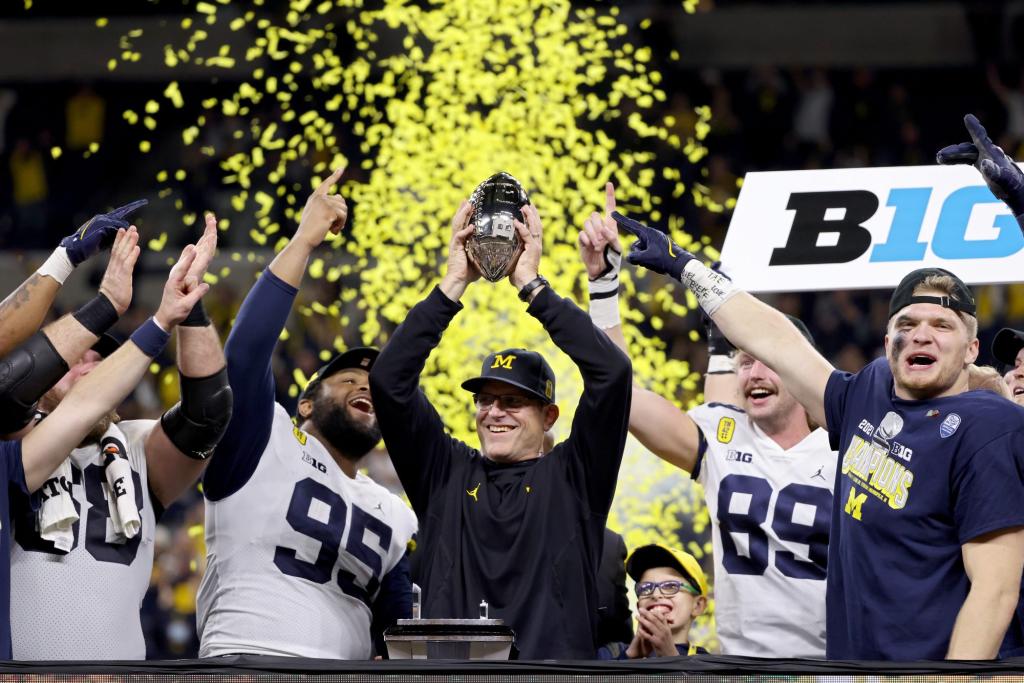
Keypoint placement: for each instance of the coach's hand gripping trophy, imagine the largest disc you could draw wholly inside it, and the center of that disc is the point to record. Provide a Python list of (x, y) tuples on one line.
[(495, 245)]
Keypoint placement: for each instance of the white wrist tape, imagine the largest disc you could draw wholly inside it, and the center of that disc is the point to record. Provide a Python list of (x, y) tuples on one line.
[(720, 364), (58, 265), (711, 289), (604, 307)]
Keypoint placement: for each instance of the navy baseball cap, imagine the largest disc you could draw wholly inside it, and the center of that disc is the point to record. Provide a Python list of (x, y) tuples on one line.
[(962, 300), (359, 358), (521, 368), (1007, 345)]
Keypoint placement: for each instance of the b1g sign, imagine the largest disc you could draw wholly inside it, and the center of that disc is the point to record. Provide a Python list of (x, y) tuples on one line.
[(867, 228)]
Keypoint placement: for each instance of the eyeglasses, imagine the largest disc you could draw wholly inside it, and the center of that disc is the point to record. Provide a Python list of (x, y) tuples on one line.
[(645, 589), (509, 402)]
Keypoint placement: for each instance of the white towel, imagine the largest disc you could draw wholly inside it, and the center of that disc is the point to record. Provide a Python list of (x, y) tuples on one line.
[(56, 515), (124, 514)]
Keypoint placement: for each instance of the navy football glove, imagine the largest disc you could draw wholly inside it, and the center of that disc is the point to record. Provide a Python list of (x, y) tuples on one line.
[(653, 249), (1002, 176), (98, 232)]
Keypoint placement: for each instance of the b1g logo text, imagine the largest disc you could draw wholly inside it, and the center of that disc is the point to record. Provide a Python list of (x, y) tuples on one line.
[(828, 227)]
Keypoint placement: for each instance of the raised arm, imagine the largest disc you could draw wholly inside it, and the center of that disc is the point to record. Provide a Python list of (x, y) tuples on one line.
[(250, 346), (751, 325), (179, 444), (106, 386), (24, 310), (1001, 174), (656, 422), (601, 422), (32, 368), (413, 431)]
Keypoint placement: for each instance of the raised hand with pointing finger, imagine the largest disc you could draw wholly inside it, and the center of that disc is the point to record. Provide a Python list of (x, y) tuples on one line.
[(324, 212), (1000, 172)]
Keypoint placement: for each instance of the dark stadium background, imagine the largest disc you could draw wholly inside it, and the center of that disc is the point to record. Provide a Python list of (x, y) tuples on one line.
[(791, 85)]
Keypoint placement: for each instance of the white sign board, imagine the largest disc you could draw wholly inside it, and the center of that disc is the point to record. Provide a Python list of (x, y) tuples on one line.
[(865, 228)]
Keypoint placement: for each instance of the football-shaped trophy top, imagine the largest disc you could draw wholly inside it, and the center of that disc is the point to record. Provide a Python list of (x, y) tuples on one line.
[(494, 245)]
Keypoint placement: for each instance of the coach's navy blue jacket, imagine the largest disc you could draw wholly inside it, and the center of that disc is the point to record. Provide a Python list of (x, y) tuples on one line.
[(526, 537)]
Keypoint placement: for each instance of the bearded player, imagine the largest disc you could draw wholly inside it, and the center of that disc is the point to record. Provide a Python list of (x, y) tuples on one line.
[(78, 579), (927, 540), (305, 555), (771, 552)]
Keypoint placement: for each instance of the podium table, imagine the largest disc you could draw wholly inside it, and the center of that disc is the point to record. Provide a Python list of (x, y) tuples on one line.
[(449, 639)]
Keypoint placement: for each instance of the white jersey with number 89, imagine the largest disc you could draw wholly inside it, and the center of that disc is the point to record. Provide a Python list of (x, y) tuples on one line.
[(771, 513)]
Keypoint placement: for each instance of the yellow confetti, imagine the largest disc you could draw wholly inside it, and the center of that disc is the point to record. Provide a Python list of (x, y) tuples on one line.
[(55, 152)]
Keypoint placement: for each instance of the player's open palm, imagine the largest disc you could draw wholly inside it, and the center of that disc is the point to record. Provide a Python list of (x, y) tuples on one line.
[(324, 212), (117, 279), (178, 299), (598, 241), (206, 247)]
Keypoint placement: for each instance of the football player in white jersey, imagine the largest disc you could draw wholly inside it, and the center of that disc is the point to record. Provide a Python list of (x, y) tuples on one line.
[(306, 556), (767, 474), (77, 585)]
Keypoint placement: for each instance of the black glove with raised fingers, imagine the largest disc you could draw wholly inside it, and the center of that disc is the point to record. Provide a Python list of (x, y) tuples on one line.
[(1001, 174)]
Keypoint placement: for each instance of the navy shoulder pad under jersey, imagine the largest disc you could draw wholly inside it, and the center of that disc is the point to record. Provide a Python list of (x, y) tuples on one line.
[(917, 480)]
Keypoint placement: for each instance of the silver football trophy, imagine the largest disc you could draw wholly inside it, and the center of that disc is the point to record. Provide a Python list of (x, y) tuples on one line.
[(494, 245)]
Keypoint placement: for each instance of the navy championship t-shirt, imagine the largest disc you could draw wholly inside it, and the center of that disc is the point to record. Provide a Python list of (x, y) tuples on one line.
[(916, 480), (14, 474)]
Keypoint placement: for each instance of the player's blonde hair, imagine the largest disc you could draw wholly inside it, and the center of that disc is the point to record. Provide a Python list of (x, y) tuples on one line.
[(948, 286), (986, 377)]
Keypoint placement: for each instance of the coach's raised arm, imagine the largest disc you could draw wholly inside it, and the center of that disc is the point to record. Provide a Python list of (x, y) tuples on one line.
[(509, 524)]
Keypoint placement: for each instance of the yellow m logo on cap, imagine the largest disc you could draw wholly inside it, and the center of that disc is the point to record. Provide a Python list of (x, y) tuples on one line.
[(501, 361)]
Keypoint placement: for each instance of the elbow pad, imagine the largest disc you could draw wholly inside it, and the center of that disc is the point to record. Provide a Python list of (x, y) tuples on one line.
[(26, 374), (197, 422)]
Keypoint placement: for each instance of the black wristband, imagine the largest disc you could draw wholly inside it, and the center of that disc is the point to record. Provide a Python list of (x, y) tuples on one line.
[(539, 281), (98, 315), (196, 317)]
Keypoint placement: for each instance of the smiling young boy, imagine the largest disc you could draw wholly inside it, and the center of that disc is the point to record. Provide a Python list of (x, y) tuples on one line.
[(671, 591)]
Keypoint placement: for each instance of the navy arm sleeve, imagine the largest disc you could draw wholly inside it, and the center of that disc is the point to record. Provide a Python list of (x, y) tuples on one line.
[(394, 602), (601, 422), (836, 390), (413, 432), (249, 350)]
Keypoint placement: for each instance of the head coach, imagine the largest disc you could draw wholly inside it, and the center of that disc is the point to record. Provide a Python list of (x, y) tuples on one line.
[(508, 524)]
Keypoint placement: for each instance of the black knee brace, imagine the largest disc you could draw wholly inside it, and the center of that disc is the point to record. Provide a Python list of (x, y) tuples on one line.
[(197, 422), (26, 373)]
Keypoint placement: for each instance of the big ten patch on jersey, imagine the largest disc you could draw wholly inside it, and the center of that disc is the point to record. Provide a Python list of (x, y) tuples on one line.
[(90, 494), (876, 463)]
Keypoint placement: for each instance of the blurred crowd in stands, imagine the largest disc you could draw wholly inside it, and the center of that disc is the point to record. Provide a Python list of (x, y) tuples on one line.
[(62, 144)]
